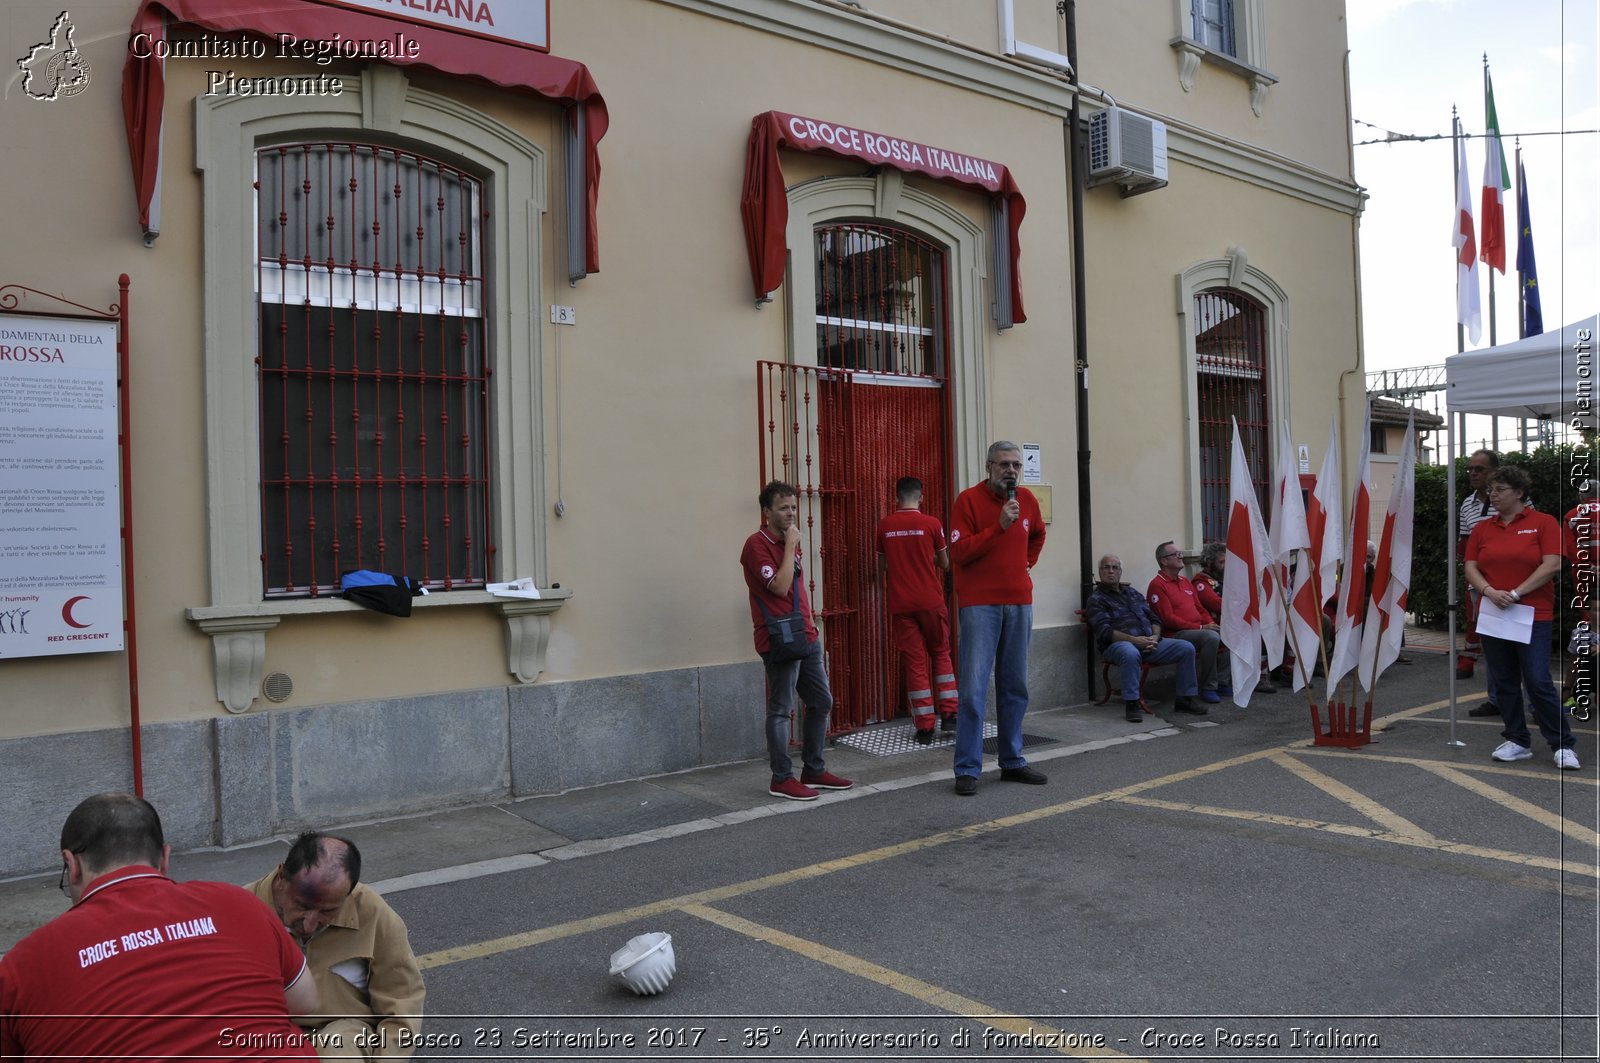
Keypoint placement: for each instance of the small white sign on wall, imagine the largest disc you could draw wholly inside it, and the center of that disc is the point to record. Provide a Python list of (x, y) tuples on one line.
[(1032, 471)]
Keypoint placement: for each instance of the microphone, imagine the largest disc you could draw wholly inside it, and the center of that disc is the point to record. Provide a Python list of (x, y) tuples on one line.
[(1011, 488)]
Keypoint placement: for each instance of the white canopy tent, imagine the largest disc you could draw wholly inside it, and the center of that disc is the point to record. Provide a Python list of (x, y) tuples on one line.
[(1546, 376)]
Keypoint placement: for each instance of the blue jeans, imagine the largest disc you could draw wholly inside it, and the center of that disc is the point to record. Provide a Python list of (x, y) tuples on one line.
[(994, 640), (810, 679), (1128, 658), (1513, 666)]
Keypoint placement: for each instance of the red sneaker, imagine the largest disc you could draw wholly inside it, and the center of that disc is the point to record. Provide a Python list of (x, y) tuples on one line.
[(825, 780), (792, 789)]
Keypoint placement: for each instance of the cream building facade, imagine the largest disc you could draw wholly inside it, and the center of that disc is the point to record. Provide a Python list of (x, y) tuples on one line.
[(614, 460)]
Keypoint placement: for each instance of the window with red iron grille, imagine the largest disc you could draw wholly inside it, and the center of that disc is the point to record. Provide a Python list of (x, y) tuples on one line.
[(372, 368), (1230, 345)]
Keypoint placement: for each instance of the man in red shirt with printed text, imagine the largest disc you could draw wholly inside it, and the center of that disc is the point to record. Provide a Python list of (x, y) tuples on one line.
[(996, 533), (772, 575), (1178, 607), (912, 554), (143, 967), (1512, 559)]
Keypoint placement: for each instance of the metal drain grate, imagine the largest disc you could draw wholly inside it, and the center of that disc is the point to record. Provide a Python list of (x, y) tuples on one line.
[(891, 739)]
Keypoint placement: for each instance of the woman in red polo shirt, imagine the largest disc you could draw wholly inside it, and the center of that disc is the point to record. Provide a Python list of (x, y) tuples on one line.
[(1511, 559)]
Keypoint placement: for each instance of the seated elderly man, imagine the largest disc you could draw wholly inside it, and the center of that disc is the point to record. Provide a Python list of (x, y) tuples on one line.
[(1128, 635), (1178, 608), (369, 987)]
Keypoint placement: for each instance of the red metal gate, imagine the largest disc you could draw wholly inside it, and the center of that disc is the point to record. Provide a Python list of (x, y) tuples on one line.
[(843, 438)]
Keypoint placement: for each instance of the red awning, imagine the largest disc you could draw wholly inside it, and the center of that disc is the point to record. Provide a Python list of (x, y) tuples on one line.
[(765, 206), (505, 65)]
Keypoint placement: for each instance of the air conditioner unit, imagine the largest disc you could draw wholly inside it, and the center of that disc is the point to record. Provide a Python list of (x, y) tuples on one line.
[(1128, 149)]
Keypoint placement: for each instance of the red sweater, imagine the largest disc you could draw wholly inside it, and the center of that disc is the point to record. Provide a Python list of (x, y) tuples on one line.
[(991, 565), (1176, 604)]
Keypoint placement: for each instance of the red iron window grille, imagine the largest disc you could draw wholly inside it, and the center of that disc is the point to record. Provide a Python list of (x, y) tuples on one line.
[(880, 300), (1230, 346), (372, 368)]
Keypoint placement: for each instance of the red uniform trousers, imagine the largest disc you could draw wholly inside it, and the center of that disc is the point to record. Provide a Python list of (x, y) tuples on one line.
[(921, 637)]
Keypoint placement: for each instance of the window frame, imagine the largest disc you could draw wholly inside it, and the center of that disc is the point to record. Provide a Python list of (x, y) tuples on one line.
[(1230, 272), (382, 105)]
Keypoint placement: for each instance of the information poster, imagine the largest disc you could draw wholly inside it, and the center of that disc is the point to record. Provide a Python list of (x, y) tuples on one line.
[(60, 501)]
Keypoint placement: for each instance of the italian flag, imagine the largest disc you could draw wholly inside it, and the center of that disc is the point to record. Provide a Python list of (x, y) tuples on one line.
[(1496, 179)]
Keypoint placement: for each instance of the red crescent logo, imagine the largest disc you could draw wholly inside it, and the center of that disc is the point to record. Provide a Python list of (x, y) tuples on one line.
[(66, 610)]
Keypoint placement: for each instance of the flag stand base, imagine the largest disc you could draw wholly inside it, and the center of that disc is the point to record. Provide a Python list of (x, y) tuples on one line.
[(1349, 727)]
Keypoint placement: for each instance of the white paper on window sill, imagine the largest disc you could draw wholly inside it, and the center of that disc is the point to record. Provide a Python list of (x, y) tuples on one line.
[(524, 588), (1514, 623)]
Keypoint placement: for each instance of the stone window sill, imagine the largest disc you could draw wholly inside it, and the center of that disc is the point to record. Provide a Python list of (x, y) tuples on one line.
[(239, 633), (1192, 53)]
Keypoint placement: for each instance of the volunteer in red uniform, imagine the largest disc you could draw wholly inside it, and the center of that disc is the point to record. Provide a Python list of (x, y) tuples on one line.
[(912, 555), (772, 575), (1182, 616), (996, 533), (144, 967), (1512, 559)]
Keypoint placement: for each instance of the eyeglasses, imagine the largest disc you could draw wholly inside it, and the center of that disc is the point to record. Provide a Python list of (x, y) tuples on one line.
[(1007, 464), (1110, 568), (1477, 468), (1171, 553)]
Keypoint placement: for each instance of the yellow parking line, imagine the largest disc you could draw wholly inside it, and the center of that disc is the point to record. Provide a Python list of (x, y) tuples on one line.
[(1352, 831), (1363, 804), (1542, 816), (494, 946), (1084, 1045), (1563, 778)]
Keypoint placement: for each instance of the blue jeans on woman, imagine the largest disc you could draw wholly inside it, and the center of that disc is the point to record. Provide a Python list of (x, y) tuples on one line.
[(1514, 666), (994, 640)]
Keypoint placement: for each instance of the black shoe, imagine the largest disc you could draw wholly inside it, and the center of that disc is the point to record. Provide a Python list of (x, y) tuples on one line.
[(923, 738), (947, 724), (1485, 709), (1023, 774), (1402, 659), (1265, 685), (1184, 704), (966, 785), (1134, 713)]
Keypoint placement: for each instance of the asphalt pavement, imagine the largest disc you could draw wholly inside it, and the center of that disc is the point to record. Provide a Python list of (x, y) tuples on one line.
[(1195, 888)]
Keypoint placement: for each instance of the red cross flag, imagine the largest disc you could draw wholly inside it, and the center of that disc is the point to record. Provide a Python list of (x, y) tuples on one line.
[(1242, 598), (1391, 575), (1314, 578)]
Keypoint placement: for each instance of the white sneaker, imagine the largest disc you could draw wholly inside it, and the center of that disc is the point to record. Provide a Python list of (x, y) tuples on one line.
[(1566, 760), (1509, 751)]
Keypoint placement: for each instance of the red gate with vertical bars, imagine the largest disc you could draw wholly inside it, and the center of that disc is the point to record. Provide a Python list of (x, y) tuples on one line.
[(843, 439)]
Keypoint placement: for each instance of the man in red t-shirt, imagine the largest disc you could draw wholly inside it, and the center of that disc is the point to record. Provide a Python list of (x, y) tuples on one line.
[(996, 533), (912, 555), (1182, 616), (772, 575), (142, 967)]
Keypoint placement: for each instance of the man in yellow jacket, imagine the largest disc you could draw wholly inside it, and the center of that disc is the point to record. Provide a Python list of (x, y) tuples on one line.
[(369, 987)]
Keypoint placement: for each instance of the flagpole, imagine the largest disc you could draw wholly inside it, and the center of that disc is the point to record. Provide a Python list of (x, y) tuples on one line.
[(1522, 278), (1485, 222), (1450, 462)]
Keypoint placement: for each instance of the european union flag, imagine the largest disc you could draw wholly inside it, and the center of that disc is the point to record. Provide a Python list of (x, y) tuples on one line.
[(1527, 271)]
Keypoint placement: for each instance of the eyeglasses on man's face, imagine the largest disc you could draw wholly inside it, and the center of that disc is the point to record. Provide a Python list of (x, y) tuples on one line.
[(1170, 554), (1007, 464)]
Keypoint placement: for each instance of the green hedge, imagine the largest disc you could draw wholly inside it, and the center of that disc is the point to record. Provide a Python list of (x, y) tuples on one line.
[(1551, 470)]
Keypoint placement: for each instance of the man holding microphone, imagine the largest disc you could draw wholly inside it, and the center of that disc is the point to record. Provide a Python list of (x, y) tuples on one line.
[(996, 533)]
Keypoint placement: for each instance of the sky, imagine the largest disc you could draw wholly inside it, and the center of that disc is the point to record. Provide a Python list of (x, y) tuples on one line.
[(1410, 61)]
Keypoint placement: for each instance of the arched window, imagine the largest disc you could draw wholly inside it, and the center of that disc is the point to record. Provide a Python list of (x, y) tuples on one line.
[(1230, 352), (880, 295), (372, 368)]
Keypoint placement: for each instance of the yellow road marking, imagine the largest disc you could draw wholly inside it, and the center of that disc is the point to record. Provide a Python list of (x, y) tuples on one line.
[(1562, 778), (525, 939), (960, 1006), (1127, 794), (1542, 816), (1352, 831), (1363, 804)]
